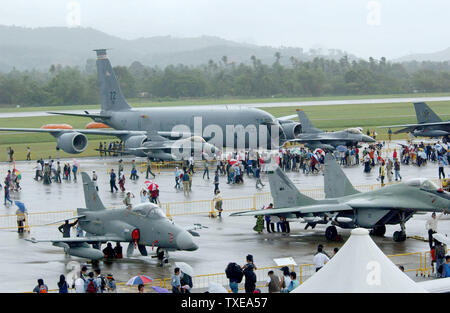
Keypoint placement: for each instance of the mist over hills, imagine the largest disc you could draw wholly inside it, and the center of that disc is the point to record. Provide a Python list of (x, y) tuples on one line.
[(38, 48), (439, 56)]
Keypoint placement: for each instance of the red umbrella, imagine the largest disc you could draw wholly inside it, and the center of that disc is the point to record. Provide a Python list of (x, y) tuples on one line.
[(153, 186), (232, 161), (319, 150), (147, 183)]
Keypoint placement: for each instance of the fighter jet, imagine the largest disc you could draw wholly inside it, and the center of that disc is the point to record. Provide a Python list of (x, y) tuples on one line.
[(428, 124), (315, 138), (143, 225), (220, 126), (346, 207)]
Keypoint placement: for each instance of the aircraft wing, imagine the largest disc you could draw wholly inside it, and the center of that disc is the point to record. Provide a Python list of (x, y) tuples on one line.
[(108, 132), (417, 125), (287, 117), (86, 114), (74, 240), (104, 132), (301, 210), (389, 204)]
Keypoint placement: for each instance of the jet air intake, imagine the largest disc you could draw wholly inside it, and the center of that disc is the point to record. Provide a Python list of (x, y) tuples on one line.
[(135, 142), (72, 142), (291, 129)]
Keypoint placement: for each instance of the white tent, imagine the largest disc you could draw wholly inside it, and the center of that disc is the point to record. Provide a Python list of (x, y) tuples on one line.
[(359, 266), (440, 285)]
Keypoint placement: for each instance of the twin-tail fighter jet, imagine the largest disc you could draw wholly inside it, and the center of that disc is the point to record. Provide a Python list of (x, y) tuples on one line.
[(346, 207)]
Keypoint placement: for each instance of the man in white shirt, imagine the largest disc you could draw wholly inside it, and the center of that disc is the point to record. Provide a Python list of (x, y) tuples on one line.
[(320, 259), (79, 285), (431, 227)]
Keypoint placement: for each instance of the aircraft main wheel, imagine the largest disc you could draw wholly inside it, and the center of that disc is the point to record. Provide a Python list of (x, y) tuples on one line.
[(331, 233), (399, 236), (379, 230)]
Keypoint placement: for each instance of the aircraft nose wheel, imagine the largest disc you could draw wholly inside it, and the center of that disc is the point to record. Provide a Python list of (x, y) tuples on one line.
[(399, 236), (331, 233)]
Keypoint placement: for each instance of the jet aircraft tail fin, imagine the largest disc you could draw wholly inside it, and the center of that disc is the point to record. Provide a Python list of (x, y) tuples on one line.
[(307, 126), (284, 192), (111, 96), (336, 183), (425, 114), (91, 197)]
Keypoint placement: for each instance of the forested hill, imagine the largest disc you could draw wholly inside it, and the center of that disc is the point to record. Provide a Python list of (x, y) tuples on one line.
[(38, 48)]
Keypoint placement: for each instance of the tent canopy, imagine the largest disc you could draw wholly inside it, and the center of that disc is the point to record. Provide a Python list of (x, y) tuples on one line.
[(359, 266)]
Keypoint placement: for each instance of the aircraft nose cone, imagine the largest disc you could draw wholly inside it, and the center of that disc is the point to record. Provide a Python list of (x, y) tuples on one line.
[(210, 149), (184, 242), (366, 138)]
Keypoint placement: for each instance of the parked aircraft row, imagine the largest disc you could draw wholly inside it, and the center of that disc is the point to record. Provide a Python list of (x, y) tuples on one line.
[(176, 133)]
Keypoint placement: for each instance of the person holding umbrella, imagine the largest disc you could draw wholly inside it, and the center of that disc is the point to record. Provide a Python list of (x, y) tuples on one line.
[(154, 192), (20, 212)]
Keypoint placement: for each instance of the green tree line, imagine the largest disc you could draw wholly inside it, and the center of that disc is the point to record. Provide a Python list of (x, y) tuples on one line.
[(223, 78)]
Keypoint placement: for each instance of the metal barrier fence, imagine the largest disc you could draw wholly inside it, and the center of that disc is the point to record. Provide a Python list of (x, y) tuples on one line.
[(197, 207), (412, 262), (202, 281), (35, 219)]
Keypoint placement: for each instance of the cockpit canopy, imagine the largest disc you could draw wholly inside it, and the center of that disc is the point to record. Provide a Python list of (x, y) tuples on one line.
[(148, 210), (354, 130), (197, 139), (422, 183)]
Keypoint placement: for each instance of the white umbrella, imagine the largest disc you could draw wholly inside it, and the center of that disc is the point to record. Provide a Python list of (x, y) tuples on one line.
[(216, 288), (185, 268)]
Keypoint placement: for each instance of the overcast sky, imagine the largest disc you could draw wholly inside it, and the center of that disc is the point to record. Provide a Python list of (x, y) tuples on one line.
[(390, 28)]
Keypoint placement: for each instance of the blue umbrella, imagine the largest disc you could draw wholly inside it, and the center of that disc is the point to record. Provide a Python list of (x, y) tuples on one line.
[(21, 206), (160, 289), (341, 148)]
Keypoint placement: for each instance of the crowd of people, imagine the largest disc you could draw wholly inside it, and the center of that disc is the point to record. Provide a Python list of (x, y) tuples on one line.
[(113, 148), (85, 282), (50, 171)]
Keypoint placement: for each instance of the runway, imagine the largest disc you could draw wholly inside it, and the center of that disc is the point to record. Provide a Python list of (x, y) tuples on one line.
[(256, 105)]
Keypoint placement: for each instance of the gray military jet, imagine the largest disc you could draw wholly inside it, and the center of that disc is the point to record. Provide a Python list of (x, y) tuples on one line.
[(428, 123), (346, 207), (143, 225), (315, 138), (221, 126)]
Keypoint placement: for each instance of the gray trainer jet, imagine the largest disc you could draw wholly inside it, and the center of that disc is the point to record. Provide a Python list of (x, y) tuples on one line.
[(316, 138), (346, 207), (144, 131), (143, 225), (428, 123)]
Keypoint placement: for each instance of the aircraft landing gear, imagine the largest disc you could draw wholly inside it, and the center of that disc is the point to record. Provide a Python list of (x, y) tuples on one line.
[(331, 233), (378, 230), (163, 256), (400, 236)]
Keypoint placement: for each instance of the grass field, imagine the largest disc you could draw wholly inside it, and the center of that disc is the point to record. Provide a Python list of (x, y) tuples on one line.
[(136, 102), (332, 117)]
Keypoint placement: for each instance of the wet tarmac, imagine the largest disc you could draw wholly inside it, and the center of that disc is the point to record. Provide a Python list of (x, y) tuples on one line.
[(226, 239)]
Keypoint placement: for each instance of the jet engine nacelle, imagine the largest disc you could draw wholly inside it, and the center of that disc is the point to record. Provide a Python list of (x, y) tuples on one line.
[(430, 133), (83, 250), (87, 253), (291, 129), (72, 142), (134, 142)]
